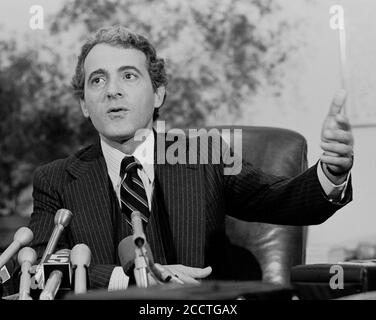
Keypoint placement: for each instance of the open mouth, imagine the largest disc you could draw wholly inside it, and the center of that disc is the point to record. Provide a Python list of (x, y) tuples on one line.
[(117, 109), (117, 113)]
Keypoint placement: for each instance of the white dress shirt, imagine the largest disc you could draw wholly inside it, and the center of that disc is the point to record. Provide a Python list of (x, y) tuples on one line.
[(144, 153)]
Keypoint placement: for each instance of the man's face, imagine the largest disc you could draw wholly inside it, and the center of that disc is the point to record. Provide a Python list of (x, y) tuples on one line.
[(118, 93)]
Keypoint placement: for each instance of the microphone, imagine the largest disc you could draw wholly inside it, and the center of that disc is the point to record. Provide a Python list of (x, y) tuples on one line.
[(21, 238), (52, 285), (59, 261), (127, 251), (134, 259), (140, 261), (62, 219), (80, 259), (26, 258), (138, 229)]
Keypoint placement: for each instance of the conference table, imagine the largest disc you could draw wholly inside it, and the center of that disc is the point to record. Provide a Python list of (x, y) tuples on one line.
[(207, 290)]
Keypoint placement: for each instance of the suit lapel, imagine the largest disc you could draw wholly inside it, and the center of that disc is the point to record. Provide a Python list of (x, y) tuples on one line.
[(89, 195), (181, 187)]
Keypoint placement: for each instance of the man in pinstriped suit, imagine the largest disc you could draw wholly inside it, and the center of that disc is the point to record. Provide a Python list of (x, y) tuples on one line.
[(121, 83)]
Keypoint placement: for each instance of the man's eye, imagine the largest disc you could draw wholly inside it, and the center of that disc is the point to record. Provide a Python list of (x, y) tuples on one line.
[(129, 76), (97, 81)]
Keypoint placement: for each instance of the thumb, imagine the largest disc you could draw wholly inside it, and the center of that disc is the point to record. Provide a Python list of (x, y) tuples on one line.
[(193, 272), (201, 273), (206, 271), (338, 102)]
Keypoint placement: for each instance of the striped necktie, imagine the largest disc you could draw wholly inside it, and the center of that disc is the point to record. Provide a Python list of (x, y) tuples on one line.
[(132, 192)]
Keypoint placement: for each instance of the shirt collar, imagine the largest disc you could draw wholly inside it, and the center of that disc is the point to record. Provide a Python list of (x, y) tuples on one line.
[(144, 153)]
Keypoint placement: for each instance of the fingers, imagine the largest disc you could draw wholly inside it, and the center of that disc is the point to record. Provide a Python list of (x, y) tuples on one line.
[(332, 154), (339, 156), (185, 278), (339, 149), (161, 273), (187, 275), (340, 136), (343, 163), (338, 102), (338, 122), (342, 122), (197, 273), (180, 277), (166, 275), (337, 139)]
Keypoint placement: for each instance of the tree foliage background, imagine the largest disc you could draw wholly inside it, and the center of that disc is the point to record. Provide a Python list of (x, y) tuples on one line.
[(218, 54)]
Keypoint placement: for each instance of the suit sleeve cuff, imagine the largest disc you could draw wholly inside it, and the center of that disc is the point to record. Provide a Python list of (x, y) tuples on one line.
[(334, 192)]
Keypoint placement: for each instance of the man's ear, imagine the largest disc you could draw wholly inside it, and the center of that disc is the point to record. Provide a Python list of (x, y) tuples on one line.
[(159, 96), (84, 110)]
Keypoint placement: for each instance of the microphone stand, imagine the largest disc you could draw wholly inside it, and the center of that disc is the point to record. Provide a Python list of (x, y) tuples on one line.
[(141, 268)]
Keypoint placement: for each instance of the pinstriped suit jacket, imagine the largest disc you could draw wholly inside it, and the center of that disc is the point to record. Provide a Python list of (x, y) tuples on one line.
[(196, 198)]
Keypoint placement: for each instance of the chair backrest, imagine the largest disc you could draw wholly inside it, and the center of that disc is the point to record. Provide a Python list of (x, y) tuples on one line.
[(277, 248)]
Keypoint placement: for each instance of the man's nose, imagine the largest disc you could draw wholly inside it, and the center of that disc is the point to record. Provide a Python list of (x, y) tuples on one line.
[(114, 90)]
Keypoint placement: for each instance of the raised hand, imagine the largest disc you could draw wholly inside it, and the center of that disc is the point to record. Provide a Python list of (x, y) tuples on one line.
[(337, 141)]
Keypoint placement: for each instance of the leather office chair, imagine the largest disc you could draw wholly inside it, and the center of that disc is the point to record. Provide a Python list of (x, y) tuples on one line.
[(277, 248)]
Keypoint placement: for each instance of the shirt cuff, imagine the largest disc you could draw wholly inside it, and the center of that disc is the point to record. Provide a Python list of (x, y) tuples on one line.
[(334, 192), (119, 280)]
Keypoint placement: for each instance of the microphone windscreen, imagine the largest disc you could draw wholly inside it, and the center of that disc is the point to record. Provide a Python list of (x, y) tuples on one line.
[(27, 254), (63, 217), (21, 238), (126, 251), (80, 255), (24, 236)]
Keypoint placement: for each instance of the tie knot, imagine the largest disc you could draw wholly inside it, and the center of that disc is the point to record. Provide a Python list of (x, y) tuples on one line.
[(129, 164)]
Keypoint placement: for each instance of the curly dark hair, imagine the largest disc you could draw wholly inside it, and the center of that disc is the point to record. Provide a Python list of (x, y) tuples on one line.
[(119, 36)]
